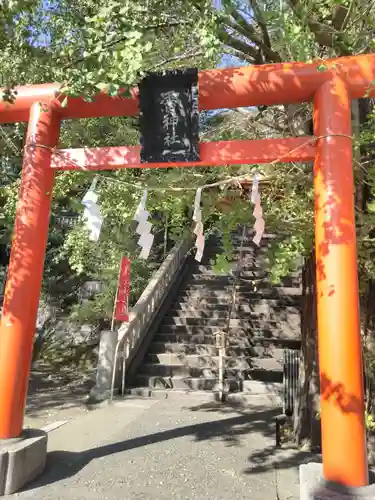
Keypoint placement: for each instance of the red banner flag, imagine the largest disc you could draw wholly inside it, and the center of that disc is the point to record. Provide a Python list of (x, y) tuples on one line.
[(123, 291)]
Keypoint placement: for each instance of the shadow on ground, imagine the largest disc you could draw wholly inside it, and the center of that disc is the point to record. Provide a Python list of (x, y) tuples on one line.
[(231, 430), (263, 423), (51, 389)]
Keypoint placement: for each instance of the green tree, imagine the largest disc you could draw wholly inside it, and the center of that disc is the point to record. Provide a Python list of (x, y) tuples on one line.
[(90, 48)]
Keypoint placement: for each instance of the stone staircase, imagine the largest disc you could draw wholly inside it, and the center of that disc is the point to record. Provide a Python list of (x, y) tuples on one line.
[(183, 356)]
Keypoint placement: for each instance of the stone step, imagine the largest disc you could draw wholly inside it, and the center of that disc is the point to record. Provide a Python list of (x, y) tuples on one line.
[(265, 348), (206, 383), (247, 399), (201, 361), (249, 233), (240, 337), (247, 390), (247, 245), (184, 383), (191, 313), (210, 276), (246, 284), (205, 293), (157, 347), (241, 286), (266, 329), (247, 272), (200, 338), (257, 321), (246, 258), (209, 367), (280, 303), (238, 236), (222, 310), (258, 264)]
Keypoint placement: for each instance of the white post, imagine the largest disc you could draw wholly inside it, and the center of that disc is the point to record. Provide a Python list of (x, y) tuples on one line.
[(106, 357)]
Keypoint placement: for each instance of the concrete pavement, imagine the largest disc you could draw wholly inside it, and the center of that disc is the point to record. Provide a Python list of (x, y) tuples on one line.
[(182, 448)]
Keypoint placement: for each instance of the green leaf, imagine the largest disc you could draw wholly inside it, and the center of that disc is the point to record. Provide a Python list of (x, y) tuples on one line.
[(134, 34), (147, 46), (113, 89), (102, 86)]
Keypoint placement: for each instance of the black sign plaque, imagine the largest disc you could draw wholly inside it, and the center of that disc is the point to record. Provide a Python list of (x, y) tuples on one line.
[(169, 117)]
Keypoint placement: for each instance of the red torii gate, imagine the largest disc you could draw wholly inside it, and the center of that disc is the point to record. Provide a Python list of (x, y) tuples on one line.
[(331, 90)]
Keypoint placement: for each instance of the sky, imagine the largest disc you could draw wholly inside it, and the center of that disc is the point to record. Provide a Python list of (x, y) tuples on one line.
[(43, 39)]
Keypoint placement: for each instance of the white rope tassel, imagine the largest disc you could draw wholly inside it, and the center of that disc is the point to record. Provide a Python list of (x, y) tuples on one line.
[(259, 224), (139, 214), (144, 227), (91, 214), (255, 189), (198, 230)]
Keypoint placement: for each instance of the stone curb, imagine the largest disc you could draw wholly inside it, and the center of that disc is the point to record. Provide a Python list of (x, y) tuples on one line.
[(22, 460), (314, 487)]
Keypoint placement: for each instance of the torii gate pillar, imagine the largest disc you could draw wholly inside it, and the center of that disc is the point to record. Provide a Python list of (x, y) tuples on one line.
[(339, 338), (23, 286)]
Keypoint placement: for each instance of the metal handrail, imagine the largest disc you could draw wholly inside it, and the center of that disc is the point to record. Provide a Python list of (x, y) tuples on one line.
[(221, 343), (123, 372)]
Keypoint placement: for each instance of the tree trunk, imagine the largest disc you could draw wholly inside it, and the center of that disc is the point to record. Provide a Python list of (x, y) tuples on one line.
[(307, 421)]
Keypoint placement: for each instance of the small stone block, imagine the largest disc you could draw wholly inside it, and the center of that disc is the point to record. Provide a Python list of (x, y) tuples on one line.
[(26, 459), (314, 487), (3, 470)]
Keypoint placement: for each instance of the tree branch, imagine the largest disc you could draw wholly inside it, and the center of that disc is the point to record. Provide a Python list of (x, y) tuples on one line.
[(240, 55), (249, 31), (236, 27), (325, 35), (180, 57), (238, 45), (341, 16), (261, 22)]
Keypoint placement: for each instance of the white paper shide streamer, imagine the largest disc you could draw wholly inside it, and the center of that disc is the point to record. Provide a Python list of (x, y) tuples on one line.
[(91, 213), (144, 227), (258, 212), (198, 230)]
